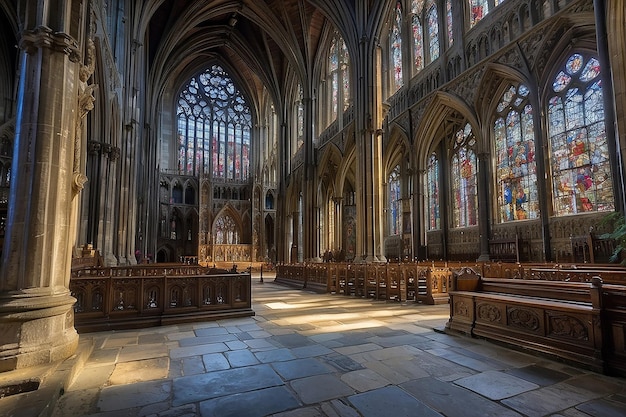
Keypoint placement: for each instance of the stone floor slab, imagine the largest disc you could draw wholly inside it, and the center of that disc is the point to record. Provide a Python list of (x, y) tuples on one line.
[(364, 380), (496, 385), (238, 358), (603, 408), (390, 401), (451, 400), (320, 388), (196, 388), (120, 397), (138, 371), (301, 368), (250, 404)]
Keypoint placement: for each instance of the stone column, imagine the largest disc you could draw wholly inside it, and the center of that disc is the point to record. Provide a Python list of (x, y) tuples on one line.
[(36, 315)]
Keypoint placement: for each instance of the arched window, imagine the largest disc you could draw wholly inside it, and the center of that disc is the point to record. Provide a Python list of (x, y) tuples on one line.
[(330, 231), (432, 17), (432, 181), (418, 34), (299, 122), (516, 167), (226, 231), (579, 154), (424, 11), (338, 75), (450, 30), (464, 179), (478, 10), (395, 202), (214, 124), (396, 48)]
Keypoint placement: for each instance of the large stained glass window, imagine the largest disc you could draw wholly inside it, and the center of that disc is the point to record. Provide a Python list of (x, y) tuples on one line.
[(338, 74), (449, 22), (396, 47), (478, 10), (432, 17), (395, 202), (516, 167), (214, 124), (298, 122), (418, 34), (432, 181), (424, 15), (464, 179), (579, 155)]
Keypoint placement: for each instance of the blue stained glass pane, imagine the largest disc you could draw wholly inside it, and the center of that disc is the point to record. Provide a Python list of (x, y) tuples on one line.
[(561, 81), (574, 110), (594, 105), (523, 90), (591, 71), (574, 64)]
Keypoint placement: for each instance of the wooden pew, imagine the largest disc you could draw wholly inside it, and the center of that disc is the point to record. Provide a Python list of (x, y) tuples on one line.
[(551, 317)]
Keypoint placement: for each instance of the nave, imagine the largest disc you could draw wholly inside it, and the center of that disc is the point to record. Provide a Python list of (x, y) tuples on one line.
[(307, 354)]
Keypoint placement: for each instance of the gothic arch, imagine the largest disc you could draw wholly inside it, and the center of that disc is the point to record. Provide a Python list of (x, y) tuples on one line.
[(396, 150), (443, 107), (228, 210)]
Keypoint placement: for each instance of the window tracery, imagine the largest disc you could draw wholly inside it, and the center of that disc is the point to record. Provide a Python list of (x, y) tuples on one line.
[(226, 231), (395, 202), (214, 125), (579, 154), (516, 167), (396, 48), (432, 181), (464, 179)]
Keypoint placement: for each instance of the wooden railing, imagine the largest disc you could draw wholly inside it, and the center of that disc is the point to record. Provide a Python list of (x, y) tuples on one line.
[(428, 282), (151, 295)]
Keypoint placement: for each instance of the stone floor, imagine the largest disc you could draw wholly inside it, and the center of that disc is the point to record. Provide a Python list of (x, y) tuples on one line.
[(306, 354)]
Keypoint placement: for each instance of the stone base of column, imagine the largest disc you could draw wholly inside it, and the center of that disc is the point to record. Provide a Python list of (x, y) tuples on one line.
[(36, 328)]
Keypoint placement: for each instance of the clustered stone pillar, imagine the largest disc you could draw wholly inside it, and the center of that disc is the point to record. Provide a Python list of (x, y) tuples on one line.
[(36, 315)]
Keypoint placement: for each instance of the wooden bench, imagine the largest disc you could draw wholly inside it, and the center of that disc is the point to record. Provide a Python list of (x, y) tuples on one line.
[(551, 317), (509, 249)]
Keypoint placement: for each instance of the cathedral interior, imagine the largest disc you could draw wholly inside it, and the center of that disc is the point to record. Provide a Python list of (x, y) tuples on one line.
[(257, 134)]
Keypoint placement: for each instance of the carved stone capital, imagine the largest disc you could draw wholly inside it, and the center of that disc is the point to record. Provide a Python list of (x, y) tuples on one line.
[(78, 181), (44, 37)]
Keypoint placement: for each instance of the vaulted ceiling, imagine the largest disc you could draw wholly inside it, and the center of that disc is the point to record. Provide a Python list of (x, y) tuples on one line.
[(264, 42)]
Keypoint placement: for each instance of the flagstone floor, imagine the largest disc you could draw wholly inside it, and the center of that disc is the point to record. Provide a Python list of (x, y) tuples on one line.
[(305, 354)]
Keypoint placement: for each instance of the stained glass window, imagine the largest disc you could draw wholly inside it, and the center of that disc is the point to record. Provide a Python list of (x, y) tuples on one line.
[(418, 35), (226, 231), (464, 179), (396, 47), (433, 29), (478, 10), (299, 122), (432, 181), (579, 154), (449, 22), (516, 167), (338, 76), (424, 15), (395, 202), (214, 124)]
